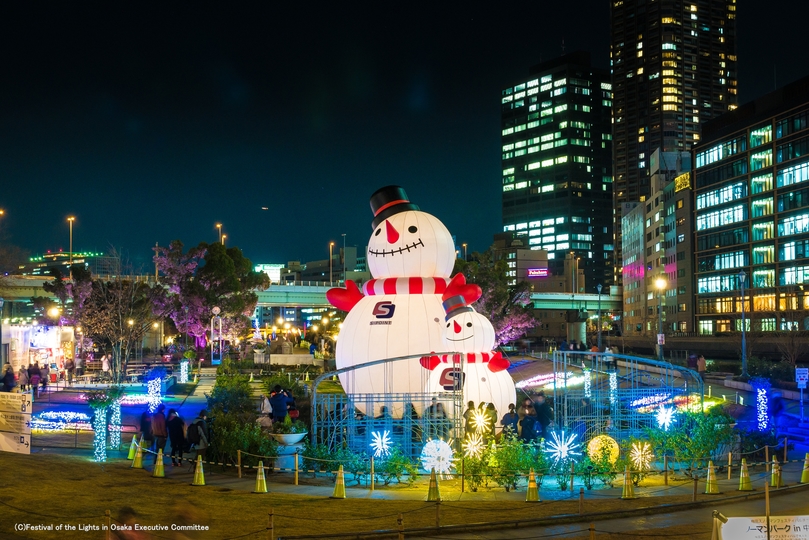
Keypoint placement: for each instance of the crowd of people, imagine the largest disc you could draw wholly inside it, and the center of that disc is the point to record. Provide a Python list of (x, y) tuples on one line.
[(35, 377), (158, 428)]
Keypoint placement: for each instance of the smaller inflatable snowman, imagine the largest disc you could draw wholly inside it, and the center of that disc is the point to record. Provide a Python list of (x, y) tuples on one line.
[(482, 373)]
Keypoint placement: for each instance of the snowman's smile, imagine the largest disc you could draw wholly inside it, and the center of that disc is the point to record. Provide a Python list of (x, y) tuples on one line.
[(462, 339), (398, 251)]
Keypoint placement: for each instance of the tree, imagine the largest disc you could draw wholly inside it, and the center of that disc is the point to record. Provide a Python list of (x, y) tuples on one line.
[(206, 276), (508, 307), (72, 295), (117, 315)]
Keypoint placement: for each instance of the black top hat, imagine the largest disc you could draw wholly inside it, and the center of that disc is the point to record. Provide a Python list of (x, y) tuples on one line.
[(455, 305), (388, 201)]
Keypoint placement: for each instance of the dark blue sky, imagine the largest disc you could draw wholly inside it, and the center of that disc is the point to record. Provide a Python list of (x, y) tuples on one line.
[(151, 123)]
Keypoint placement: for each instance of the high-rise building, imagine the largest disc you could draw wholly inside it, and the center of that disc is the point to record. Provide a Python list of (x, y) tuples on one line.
[(673, 66), (752, 218), (557, 190)]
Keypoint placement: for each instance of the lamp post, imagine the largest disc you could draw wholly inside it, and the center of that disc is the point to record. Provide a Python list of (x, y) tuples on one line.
[(219, 226), (742, 278), (344, 257), (70, 221), (331, 248), (224, 236), (598, 321), (660, 283), (464, 251)]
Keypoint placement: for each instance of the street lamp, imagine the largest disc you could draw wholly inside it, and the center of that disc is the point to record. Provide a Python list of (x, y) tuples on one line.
[(219, 226), (660, 283), (344, 257), (464, 251), (742, 278), (70, 221), (331, 246), (598, 287), (224, 236)]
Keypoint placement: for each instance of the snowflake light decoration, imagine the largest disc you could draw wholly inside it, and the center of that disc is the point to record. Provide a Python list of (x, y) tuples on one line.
[(479, 421), (438, 455), (473, 446), (641, 456), (588, 376), (564, 448), (183, 372), (153, 387), (665, 417), (381, 443)]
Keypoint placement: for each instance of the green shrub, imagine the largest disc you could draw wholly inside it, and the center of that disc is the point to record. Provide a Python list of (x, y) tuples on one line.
[(281, 379), (476, 471), (353, 463), (395, 466), (509, 460), (783, 371), (693, 438), (231, 434), (315, 457)]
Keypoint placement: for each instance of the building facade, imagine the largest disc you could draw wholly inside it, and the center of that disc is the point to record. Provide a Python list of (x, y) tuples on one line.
[(556, 158), (752, 216), (673, 67)]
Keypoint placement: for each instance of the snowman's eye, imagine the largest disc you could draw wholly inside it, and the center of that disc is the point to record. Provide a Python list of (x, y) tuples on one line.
[(412, 229), (447, 325), (469, 325), (379, 230)]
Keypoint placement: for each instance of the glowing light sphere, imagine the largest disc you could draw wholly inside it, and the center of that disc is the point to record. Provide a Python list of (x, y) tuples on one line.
[(438, 455), (641, 456), (613, 386), (479, 421), (665, 417), (473, 446), (100, 435), (184, 372), (381, 443), (562, 448), (154, 397), (603, 444), (115, 424)]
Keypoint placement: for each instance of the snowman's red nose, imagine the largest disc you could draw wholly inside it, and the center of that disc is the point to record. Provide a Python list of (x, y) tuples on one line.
[(393, 234), (456, 327)]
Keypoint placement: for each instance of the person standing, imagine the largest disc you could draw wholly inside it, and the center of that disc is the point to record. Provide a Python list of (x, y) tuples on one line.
[(70, 367), (105, 364), (9, 382), (80, 365), (468, 414), (280, 402), (176, 429), (46, 373), (159, 431), (146, 430), (23, 378), (198, 434), (34, 378), (544, 414), (701, 368), (510, 420)]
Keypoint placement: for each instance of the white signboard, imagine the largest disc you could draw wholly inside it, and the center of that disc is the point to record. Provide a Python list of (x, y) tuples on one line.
[(15, 403), (15, 422), (14, 442), (801, 374), (755, 528)]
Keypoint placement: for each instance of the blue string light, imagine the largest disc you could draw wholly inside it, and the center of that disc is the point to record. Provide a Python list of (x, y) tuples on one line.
[(154, 394), (100, 435), (184, 372), (761, 386), (613, 386), (587, 382)]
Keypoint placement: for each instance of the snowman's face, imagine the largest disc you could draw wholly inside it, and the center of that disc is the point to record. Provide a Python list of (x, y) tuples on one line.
[(411, 244), (469, 332)]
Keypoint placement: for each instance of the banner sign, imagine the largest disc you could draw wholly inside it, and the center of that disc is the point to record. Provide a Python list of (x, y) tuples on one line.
[(755, 528)]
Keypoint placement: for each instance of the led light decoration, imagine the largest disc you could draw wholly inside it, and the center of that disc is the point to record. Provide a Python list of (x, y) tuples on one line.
[(381, 443), (603, 444), (562, 448), (115, 424), (129, 399), (613, 387), (479, 421), (154, 398), (641, 456), (184, 372), (51, 421), (646, 403), (438, 455), (538, 380), (563, 381), (100, 435), (761, 387), (665, 417), (473, 446), (588, 382)]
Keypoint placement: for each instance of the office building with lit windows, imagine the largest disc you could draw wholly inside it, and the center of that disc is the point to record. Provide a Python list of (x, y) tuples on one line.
[(557, 190), (673, 67), (752, 216)]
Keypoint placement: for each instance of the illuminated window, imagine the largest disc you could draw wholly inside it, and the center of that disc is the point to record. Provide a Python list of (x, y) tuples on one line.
[(793, 225), (722, 195), (762, 183), (761, 160), (794, 174), (721, 217), (762, 207)]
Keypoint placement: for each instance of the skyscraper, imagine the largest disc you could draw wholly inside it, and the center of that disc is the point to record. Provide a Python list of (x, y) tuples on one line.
[(557, 188), (673, 66)]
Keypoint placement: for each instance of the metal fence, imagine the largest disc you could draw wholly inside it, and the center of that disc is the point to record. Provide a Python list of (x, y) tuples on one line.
[(616, 394)]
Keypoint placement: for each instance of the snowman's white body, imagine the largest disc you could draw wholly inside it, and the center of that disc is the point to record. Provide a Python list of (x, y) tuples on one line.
[(409, 244), (480, 385), (471, 333)]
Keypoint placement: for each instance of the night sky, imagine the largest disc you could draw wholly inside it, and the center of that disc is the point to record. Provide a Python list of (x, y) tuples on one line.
[(151, 122)]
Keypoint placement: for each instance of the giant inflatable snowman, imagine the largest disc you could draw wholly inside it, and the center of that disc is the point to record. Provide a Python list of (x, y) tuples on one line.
[(398, 313), (480, 372)]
